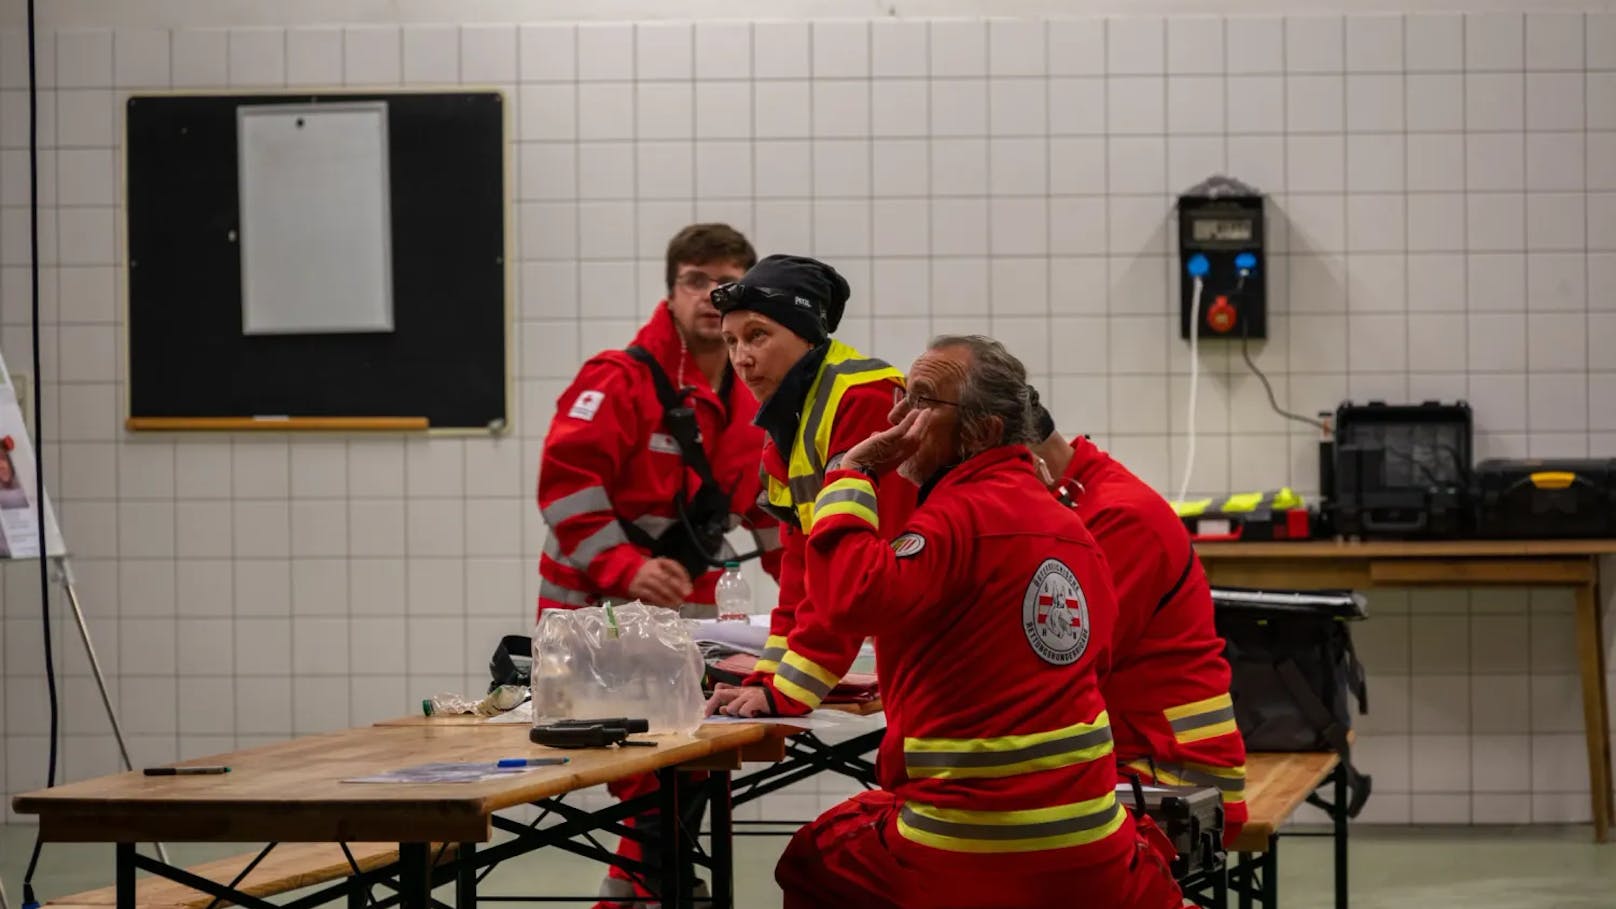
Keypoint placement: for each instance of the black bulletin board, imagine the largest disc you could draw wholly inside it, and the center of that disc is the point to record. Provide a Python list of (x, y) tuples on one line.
[(445, 359)]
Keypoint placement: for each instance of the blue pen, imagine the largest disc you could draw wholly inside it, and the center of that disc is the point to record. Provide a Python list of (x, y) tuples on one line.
[(533, 762)]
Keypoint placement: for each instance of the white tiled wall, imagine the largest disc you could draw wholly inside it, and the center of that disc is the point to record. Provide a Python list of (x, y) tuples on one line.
[(1444, 225)]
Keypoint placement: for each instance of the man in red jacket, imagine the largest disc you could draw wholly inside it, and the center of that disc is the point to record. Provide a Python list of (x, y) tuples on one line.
[(1168, 689), (613, 477), (992, 615)]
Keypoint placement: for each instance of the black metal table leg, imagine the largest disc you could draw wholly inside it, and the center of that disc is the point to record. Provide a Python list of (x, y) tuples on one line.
[(723, 841), (126, 875), (1338, 814), (672, 841), (414, 875), (1247, 863), (466, 877), (1270, 874), (358, 892)]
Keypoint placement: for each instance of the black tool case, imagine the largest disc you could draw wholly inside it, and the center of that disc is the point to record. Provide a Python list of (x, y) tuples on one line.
[(1532, 498), (1401, 471), (1190, 816)]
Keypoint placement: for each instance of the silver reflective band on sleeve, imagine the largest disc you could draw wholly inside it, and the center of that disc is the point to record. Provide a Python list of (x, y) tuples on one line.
[(856, 496), (802, 679), (1198, 720), (605, 538), (773, 655), (917, 759), (583, 501), (653, 524), (549, 590)]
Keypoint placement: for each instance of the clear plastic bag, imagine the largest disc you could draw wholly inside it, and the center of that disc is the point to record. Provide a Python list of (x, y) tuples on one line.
[(633, 661)]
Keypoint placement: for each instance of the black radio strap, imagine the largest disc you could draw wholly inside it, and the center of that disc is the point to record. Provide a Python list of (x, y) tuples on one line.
[(689, 448)]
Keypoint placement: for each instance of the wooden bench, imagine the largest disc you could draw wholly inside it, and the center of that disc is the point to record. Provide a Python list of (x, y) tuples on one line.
[(287, 867), (1276, 785)]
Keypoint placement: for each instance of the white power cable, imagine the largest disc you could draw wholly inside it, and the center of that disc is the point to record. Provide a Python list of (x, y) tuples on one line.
[(1195, 378)]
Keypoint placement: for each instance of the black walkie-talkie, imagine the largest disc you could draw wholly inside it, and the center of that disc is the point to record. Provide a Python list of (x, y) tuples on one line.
[(601, 733)]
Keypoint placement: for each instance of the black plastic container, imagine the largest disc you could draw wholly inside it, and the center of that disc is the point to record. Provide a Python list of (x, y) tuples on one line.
[(1527, 499), (1401, 471)]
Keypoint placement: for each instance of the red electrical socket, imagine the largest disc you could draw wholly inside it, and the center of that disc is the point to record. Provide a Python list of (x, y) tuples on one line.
[(1222, 316)]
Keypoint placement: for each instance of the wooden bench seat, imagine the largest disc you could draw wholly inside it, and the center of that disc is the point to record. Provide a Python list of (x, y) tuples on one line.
[(1276, 783), (288, 867)]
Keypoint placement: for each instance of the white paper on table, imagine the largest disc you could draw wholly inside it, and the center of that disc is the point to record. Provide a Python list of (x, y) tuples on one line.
[(444, 773)]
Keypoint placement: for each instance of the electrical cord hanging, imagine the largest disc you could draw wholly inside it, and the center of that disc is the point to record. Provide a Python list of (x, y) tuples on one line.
[(1195, 379), (30, 901), (1245, 354)]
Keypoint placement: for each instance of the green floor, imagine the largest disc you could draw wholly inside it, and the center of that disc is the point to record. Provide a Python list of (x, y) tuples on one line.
[(1499, 868)]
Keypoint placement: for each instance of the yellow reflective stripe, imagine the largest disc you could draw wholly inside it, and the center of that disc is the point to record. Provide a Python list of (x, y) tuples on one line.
[(1060, 827), (849, 495), (1011, 755), (773, 649), (1202, 719), (809, 454), (804, 680), (1191, 509), (1229, 781)]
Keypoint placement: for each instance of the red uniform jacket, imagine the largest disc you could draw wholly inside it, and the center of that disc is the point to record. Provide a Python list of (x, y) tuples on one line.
[(805, 653), (993, 618), (607, 457), (1168, 691)]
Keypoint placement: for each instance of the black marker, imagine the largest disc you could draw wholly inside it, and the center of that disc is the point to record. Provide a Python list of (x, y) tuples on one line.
[(186, 771)]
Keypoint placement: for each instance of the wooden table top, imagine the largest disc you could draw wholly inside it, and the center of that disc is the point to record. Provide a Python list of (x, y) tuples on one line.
[(865, 708), (1404, 549), (1275, 785), (293, 791)]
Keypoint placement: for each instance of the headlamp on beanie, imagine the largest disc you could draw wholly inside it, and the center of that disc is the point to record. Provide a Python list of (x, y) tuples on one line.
[(805, 295), (1043, 423)]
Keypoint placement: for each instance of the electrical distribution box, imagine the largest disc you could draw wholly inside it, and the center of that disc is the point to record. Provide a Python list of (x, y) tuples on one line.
[(1220, 242)]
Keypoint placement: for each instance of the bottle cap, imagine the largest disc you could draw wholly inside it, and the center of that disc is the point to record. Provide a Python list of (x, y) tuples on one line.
[(728, 565)]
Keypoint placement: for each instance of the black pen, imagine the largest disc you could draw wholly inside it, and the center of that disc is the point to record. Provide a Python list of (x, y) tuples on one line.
[(199, 770)]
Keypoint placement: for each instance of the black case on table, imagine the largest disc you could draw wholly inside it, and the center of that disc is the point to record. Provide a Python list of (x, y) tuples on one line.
[(1539, 498), (1401, 471)]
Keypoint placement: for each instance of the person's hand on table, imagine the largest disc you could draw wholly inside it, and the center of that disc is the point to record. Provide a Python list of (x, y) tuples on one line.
[(661, 582), (734, 700)]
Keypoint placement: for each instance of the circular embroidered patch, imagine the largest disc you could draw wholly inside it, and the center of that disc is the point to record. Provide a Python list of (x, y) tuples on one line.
[(1055, 614), (907, 545)]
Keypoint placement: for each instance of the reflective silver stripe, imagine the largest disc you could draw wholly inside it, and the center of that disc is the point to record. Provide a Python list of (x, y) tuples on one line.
[(1198, 720), (1202, 778), (596, 543), (584, 501), (768, 538), (1011, 831), (1003, 758), (551, 547), (856, 496), (816, 413), (805, 489), (775, 654), (802, 679), (549, 590), (653, 524)]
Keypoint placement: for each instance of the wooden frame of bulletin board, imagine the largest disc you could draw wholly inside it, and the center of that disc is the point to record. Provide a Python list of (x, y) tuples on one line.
[(430, 347)]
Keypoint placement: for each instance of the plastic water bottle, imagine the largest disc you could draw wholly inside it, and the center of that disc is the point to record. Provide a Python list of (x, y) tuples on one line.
[(734, 595)]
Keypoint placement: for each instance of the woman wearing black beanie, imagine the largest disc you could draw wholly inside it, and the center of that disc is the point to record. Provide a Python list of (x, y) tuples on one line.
[(817, 398)]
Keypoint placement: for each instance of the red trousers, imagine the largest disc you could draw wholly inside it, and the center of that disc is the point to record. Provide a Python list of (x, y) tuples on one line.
[(621, 891), (842, 860)]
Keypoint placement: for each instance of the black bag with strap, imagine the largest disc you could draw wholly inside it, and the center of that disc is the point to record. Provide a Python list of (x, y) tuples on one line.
[(1294, 672), (696, 539)]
